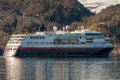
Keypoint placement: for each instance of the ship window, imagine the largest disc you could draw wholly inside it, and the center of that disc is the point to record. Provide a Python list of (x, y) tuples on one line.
[(14, 48), (43, 37), (20, 42), (31, 37), (29, 42), (82, 42), (22, 36), (51, 43), (40, 42), (35, 42), (20, 39), (89, 41), (16, 37), (36, 37)]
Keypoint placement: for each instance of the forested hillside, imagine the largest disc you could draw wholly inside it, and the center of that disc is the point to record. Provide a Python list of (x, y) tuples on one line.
[(24, 16)]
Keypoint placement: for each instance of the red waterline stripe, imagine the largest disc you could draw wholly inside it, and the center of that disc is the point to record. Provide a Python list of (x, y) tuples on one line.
[(58, 48)]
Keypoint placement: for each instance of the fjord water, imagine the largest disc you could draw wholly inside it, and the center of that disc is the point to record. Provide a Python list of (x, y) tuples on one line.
[(59, 68)]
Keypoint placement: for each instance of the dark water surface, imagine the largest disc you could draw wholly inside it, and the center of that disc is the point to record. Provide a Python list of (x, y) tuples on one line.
[(59, 69)]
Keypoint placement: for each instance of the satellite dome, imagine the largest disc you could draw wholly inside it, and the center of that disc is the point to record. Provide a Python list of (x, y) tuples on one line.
[(67, 27)]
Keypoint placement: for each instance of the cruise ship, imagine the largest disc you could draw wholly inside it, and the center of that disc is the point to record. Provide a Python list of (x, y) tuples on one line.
[(81, 42)]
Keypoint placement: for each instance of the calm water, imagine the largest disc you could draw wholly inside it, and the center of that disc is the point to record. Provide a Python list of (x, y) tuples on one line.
[(59, 69)]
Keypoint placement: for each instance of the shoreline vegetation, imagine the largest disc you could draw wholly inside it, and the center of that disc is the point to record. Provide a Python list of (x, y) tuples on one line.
[(25, 16)]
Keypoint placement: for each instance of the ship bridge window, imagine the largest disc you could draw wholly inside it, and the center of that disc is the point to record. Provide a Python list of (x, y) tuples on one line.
[(37, 37), (93, 34)]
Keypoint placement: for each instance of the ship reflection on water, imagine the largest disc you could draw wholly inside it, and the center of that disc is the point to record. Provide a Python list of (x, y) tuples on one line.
[(13, 68), (62, 69)]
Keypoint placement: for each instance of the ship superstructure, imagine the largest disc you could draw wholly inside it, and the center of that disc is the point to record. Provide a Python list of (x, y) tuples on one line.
[(57, 43), (14, 44)]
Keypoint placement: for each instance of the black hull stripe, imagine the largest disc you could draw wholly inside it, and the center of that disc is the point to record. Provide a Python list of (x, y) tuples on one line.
[(105, 51)]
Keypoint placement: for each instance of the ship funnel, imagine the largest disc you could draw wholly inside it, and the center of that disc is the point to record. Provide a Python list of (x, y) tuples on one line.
[(42, 28)]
